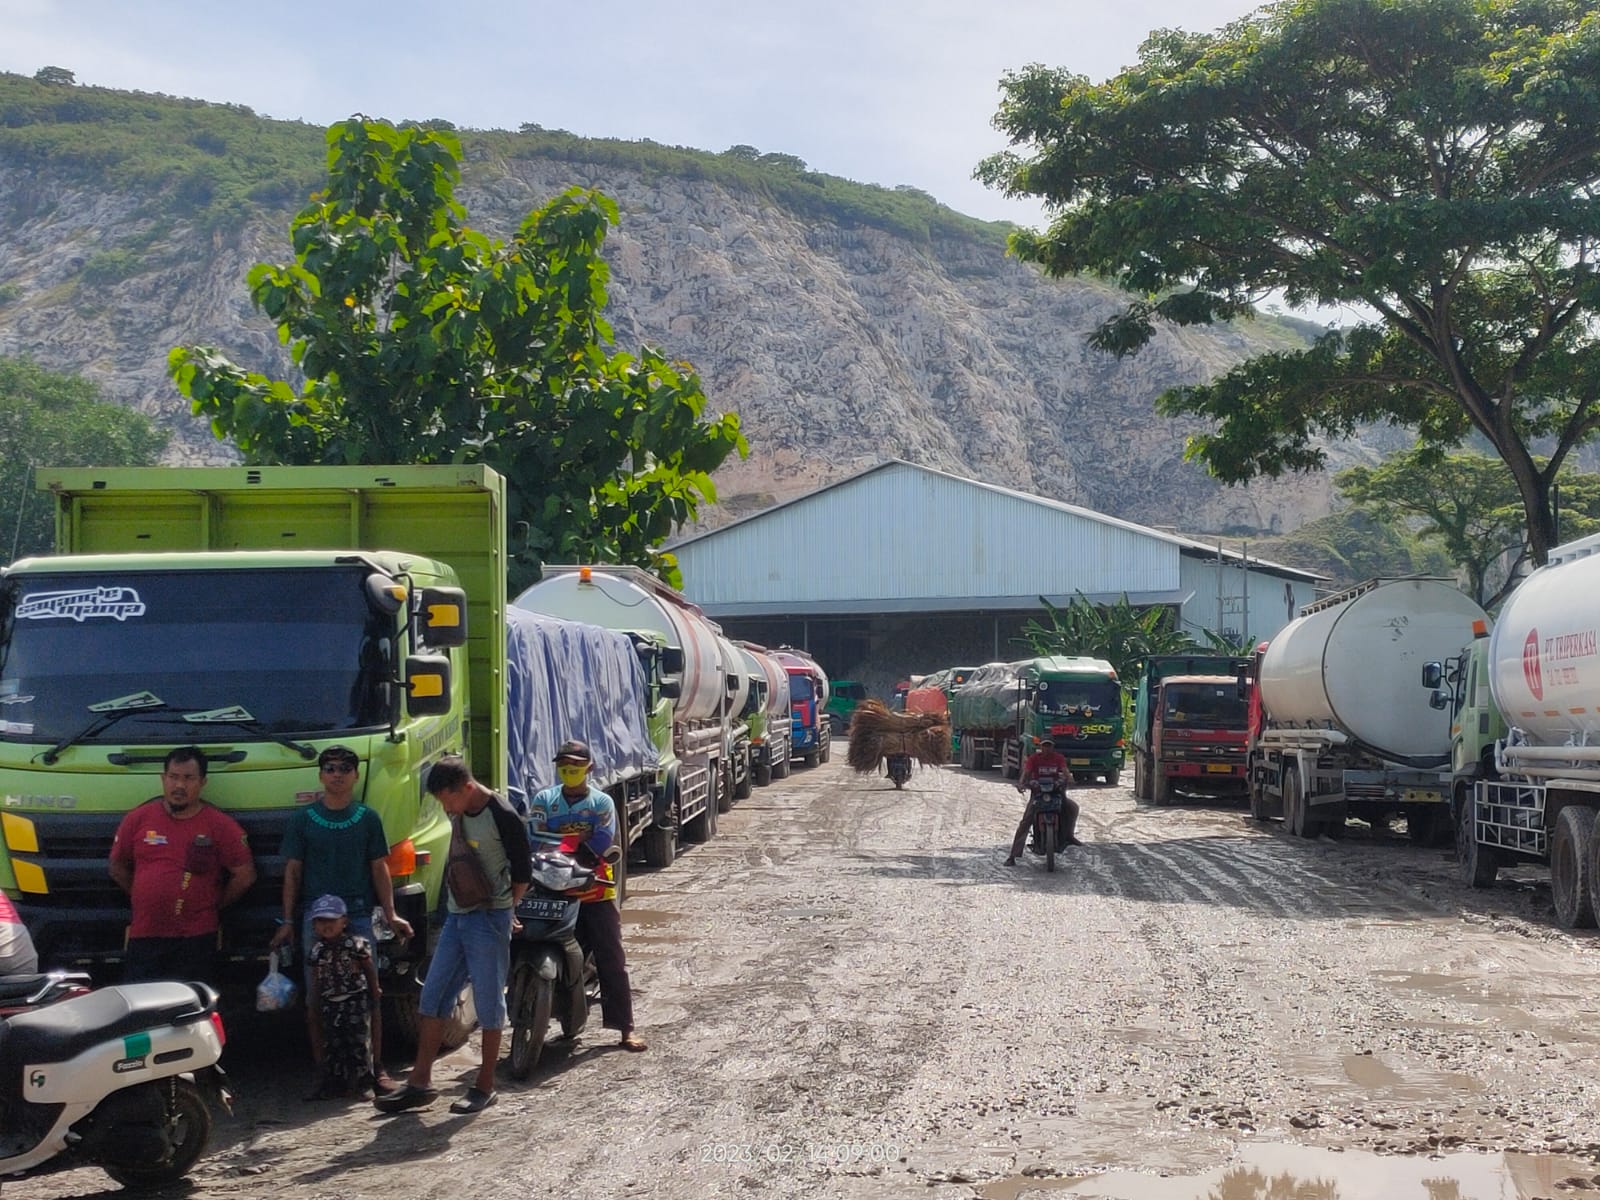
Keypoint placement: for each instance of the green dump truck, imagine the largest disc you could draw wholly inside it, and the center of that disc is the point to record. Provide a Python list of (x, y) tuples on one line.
[(261, 613), (1002, 710)]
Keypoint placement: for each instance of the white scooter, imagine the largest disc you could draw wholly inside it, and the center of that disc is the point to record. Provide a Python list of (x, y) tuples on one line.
[(117, 1079)]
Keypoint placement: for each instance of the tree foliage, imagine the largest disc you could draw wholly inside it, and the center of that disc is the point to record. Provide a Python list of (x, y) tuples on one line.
[(50, 420), (1432, 160), (424, 341), (1467, 505), (1119, 633)]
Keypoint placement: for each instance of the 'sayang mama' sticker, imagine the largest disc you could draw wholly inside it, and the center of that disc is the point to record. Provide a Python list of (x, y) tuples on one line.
[(118, 603)]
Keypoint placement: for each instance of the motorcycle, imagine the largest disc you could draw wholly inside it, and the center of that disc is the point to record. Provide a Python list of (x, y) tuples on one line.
[(23, 993), (117, 1079), (1051, 797), (899, 769), (550, 974)]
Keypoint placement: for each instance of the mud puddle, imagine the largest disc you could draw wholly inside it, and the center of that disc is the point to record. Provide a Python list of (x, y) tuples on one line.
[(1262, 1171)]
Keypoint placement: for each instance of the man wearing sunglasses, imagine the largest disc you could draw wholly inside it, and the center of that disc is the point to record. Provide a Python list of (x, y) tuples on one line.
[(336, 847)]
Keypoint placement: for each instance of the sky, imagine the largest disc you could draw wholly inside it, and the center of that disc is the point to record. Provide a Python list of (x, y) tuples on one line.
[(877, 91)]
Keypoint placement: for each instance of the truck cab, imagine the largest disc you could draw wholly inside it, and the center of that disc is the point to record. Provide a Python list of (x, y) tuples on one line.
[(1190, 727), (844, 696), (1077, 702)]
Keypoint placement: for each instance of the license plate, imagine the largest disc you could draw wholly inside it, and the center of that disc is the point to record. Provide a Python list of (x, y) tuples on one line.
[(542, 909), (1078, 762), (1220, 768)]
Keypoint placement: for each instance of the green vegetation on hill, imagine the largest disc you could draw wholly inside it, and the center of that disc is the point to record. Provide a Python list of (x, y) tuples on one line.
[(218, 162)]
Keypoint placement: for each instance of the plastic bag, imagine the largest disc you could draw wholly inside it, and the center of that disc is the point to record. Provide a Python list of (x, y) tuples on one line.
[(277, 991)]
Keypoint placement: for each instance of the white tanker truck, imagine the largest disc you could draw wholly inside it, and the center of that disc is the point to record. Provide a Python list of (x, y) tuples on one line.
[(706, 742), (1526, 716), (1338, 726)]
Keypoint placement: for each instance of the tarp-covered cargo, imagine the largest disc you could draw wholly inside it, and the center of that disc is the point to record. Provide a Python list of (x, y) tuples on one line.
[(568, 679), (990, 699)]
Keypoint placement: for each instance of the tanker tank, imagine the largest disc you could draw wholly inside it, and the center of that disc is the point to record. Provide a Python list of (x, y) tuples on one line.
[(626, 598), (1352, 663), (759, 661), (1544, 651), (736, 673)]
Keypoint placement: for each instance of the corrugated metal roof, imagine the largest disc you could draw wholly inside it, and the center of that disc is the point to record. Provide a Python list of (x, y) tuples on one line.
[(1187, 546), (903, 538)]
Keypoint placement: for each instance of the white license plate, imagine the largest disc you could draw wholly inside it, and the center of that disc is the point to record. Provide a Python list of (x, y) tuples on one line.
[(542, 910)]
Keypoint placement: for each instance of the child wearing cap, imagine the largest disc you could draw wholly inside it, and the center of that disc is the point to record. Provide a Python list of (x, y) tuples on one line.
[(344, 989)]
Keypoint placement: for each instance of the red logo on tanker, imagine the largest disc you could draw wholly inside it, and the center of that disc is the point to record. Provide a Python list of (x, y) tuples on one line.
[(1530, 665)]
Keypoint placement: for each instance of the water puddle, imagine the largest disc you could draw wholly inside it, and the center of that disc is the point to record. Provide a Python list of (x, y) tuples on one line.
[(1262, 1171), (647, 917)]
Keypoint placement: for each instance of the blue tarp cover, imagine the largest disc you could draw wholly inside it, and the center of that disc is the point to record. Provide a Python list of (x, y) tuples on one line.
[(566, 679)]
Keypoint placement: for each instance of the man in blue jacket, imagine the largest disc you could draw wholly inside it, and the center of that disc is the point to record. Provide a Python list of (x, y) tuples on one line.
[(576, 807)]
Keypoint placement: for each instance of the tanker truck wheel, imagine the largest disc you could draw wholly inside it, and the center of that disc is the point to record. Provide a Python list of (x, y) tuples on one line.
[(660, 846), (1296, 812), (745, 786), (1259, 808), (762, 770), (1571, 858), (1113, 777), (1478, 864)]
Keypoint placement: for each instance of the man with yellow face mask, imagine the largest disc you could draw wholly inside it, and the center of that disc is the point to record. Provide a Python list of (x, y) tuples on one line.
[(576, 807)]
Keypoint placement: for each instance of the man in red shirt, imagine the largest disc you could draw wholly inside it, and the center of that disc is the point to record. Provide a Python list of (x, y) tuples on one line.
[(1044, 763), (181, 861)]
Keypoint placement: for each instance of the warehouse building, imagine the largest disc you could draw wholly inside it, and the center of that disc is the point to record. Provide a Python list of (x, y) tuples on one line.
[(902, 569)]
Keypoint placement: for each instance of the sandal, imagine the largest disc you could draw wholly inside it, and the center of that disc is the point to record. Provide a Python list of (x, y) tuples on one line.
[(406, 1097), (475, 1101), (632, 1041)]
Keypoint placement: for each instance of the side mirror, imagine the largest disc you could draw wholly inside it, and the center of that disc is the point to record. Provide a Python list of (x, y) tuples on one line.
[(385, 595), (427, 685), (442, 616), (1432, 675), (672, 660), (671, 688), (1438, 699)]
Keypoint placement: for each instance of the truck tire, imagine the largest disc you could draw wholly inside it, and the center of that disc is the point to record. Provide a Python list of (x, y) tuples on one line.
[(1296, 812), (1010, 768), (404, 1019), (1426, 824), (813, 758), (1477, 864), (660, 847), (746, 785), (725, 786), (703, 828), (1113, 777), (1594, 874), (826, 752), (1141, 778), (762, 771), (1160, 788), (1571, 856), (966, 754), (784, 767), (1259, 807)]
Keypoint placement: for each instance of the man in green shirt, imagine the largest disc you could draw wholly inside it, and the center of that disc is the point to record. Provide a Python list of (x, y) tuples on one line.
[(336, 847)]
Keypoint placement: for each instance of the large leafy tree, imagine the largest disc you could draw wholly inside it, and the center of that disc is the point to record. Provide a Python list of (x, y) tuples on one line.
[(423, 340), (51, 420), (1119, 632), (1433, 162), (1467, 505)]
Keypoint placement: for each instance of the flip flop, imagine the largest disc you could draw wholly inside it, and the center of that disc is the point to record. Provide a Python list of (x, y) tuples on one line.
[(474, 1101), (635, 1043), (406, 1097)]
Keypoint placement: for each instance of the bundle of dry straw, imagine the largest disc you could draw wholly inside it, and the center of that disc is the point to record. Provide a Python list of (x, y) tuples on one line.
[(875, 732)]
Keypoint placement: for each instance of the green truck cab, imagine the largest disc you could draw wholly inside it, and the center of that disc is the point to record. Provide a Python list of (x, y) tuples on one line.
[(1003, 710), (843, 697), (262, 614)]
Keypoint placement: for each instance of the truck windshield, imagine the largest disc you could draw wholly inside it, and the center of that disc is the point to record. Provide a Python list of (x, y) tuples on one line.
[(1066, 697), (800, 690), (1214, 705), (287, 646)]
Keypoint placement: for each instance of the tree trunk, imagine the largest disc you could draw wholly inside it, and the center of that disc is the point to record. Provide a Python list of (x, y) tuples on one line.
[(1535, 491)]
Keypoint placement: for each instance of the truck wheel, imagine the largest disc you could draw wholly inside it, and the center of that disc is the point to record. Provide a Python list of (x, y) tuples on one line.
[(747, 784), (703, 828), (1160, 788), (1112, 777), (1478, 864), (1010, 768), (826, 752), (725, 786), (1594, 874), (1571, 854), (1141, 778), (784, 767), (1258, 800), (813, 758), (762, 771), (966, 754), (1425, 824), (660, 846), (1296, 812)]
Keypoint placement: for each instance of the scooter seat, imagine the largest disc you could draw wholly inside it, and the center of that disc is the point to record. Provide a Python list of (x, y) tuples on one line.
[(62, 1031)]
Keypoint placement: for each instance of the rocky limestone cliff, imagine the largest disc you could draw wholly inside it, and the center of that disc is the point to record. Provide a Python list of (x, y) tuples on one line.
[(837, 345)]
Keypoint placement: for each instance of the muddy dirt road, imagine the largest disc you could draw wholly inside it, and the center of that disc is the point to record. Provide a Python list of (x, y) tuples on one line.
[(846, 994)]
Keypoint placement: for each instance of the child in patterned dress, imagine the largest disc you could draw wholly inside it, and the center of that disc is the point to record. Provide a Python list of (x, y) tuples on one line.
[(344, 987)]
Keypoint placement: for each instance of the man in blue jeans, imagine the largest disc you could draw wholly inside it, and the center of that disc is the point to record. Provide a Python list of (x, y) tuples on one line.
[(475, 943)]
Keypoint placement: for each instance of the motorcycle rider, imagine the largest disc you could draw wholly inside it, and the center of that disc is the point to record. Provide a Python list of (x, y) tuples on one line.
[(1044, 763), (575, 806)]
